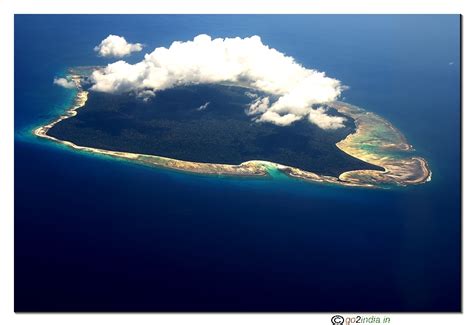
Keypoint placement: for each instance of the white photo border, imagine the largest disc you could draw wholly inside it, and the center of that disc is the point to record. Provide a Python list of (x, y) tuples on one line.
[(8, 8)]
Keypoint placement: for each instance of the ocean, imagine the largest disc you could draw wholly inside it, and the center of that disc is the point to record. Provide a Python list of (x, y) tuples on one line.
[(94, 233)]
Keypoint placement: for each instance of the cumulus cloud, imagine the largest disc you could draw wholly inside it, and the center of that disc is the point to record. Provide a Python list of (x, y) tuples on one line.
[(259, 106), (63, 82), (145, 95), (275, 118), (250, 94), (320, 118), (203, 106), (117, 46), (292, 89)]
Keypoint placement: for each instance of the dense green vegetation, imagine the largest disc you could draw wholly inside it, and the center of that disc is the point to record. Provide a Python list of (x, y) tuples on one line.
[(171, 125)]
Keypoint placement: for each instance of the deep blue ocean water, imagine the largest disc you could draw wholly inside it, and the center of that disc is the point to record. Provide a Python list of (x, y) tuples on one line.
[(98, 234)]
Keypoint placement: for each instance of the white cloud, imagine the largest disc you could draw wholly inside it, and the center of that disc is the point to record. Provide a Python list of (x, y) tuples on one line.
[(203, 106), (117, 46), (275, 118), (145, 95), (63, 82), (259, 106), (292, 88), (250, 94), (320, 118)]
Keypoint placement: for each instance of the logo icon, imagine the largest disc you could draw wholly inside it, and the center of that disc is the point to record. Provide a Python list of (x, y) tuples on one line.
[(337, 319)]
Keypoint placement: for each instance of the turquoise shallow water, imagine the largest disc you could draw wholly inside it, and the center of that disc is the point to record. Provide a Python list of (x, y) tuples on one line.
[(96, 233)]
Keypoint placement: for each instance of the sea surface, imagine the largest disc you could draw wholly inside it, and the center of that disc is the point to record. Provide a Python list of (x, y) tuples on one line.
[(94, 233)]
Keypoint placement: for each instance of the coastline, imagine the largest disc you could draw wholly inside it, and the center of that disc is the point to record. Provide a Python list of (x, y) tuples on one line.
[(375, 141)]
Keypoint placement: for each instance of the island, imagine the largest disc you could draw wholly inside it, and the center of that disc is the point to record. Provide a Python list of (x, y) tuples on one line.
[(204, 129)]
